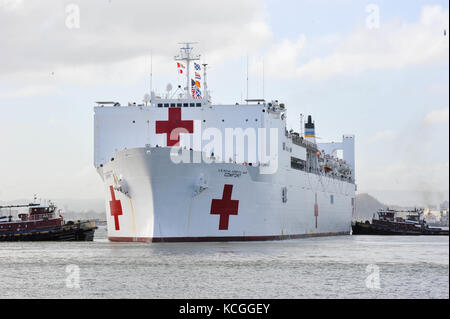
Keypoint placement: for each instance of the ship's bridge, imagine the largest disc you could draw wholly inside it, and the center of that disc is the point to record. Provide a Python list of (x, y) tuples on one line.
[(157, 101)]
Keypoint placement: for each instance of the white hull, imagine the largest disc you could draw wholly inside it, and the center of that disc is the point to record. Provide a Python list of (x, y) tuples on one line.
[(164, 201)]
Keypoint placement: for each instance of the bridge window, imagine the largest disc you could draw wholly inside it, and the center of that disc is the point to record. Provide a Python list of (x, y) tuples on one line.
[(185, 104), (160, 105), (172, 105), (192, 104), (179, 104), (199, 104), (166, 104), (298, 164)]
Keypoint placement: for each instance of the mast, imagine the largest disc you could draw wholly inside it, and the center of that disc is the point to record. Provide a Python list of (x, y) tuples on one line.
[(301, 125), (185, 55), (247, 78), (205, 87), (263, 78), (151, 72)]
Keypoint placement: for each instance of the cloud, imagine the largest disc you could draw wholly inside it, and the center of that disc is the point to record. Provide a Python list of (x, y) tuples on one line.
[(439, 116), (10, 5), (27, 91), (405, 175), (281, 58), (383, 136), (40, 37), (393, 45)]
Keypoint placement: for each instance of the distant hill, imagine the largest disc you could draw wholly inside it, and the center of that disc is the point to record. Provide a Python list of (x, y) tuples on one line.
[(365, 206)]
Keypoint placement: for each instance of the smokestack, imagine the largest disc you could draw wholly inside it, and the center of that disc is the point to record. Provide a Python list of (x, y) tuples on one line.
[(310, 132)]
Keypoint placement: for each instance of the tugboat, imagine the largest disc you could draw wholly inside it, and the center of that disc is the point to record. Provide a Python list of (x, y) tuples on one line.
[(43, 223), (390, 223)]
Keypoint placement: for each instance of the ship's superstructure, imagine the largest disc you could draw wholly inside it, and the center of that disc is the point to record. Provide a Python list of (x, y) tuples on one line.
[(179, 168)]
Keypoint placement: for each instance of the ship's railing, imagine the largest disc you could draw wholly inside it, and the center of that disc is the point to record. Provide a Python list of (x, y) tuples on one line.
[(300, 141)]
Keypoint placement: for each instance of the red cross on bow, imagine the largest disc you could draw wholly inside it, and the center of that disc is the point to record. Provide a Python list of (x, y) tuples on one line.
[(316, 209), (115, 207), (173, 125), (225, 207)]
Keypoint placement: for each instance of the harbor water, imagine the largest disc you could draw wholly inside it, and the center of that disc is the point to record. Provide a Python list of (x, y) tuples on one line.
[(328, 267)]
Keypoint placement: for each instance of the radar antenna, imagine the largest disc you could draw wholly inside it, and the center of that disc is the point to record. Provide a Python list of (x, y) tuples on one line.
[(185, 55)]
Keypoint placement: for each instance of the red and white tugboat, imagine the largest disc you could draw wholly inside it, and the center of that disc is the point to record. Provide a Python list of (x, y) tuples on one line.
[(43, 223)]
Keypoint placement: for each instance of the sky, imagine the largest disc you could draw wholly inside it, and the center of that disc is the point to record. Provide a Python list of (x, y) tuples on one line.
[(376, 69)]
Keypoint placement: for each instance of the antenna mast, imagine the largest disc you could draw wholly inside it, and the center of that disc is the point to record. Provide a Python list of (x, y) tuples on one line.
[(205, 87), (151, 72), (185, 55), (263, 78), (247, 78), (301, 125)]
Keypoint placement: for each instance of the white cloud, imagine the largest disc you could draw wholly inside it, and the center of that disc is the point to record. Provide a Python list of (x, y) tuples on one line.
[(27, 91), (394, 45), (439, 116), (383, 136), (282, 58), (115, 35), (405, 175), (10, 5)]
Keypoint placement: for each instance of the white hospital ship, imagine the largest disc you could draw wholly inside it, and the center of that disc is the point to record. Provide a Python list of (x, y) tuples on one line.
[(171, 174)]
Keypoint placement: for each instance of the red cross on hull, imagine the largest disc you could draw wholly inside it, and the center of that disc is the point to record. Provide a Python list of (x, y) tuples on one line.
[(174, 126), (115, 207), (225, 207)]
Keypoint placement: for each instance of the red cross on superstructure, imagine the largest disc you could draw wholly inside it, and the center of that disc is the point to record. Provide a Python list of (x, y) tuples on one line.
[(115, 207), (225, 207), (316, 209), (172, 124)]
